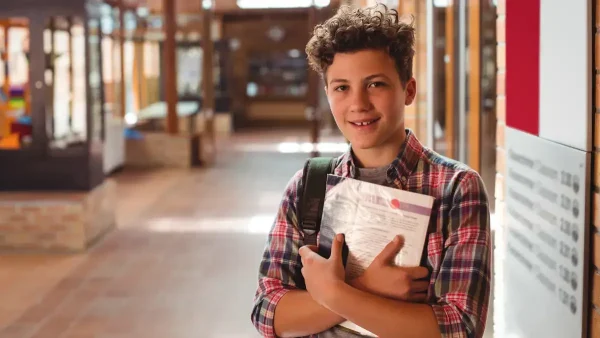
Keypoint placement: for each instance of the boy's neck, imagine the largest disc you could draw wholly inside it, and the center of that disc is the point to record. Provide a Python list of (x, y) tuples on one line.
[(381, 155)]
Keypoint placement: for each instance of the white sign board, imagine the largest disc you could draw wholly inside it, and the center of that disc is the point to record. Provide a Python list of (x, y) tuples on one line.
[(545, 261), (565, 92)]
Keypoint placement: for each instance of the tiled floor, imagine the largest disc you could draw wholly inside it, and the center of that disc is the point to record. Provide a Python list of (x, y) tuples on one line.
[(182, 262)]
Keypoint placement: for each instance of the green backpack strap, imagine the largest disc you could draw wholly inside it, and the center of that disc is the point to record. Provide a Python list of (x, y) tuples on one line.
[(314, 181)]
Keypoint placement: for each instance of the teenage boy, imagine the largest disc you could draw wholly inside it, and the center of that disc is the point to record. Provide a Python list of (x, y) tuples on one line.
[(365, 58)]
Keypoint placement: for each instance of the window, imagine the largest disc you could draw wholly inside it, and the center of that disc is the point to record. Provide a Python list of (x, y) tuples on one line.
[(129, 54), (58, 46), (65, 76), (388, 3), (281, 4), (111, 60), (189, 72), (18, 49), (151, 73), (79, 118), (151, 59), (94, 41)]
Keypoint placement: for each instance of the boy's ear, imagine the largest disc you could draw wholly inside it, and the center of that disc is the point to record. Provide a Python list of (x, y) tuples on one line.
[(411, 91)]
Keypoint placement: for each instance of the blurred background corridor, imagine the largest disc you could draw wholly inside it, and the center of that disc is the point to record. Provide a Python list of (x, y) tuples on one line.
[(145, 146), (183, 262)]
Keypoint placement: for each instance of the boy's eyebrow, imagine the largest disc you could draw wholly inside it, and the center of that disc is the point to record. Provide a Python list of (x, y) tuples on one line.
[(338, 80), (371, 77), (368, 78)]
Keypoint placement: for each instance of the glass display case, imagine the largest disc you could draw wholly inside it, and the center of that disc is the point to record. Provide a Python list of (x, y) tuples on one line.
[(277, 75), (64, 79), (51, 95), (189, 73), (15, 93)]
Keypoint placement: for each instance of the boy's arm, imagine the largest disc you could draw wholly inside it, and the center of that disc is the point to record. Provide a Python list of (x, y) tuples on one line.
[(462, 286), (460, 289), (298, 315), (383, 316), (281, 307)]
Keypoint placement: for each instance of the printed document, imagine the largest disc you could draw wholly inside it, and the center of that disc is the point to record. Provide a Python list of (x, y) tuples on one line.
[(370, 215)]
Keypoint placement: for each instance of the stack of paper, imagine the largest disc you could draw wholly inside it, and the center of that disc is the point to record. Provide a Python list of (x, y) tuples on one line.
[(370, 216)]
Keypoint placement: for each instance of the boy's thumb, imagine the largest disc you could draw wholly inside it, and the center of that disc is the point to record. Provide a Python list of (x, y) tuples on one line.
[(336, 247), (388, 254)]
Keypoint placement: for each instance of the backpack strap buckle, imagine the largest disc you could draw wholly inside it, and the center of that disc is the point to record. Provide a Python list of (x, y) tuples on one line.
[(314, 181), (309, 227)]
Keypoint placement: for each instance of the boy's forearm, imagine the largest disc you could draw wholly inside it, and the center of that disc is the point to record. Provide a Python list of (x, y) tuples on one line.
[(383, 316), (297, 315)]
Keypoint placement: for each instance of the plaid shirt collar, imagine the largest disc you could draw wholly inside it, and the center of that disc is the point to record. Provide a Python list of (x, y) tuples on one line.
[(400, 169)]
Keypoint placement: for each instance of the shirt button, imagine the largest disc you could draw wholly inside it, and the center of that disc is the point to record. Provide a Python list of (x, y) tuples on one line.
[(403, 179)]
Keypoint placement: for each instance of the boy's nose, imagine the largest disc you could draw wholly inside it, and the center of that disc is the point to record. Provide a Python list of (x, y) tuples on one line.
[(360, 101)]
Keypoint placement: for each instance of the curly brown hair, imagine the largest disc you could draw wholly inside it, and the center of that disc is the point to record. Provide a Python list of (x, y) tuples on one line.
[(354, 29)]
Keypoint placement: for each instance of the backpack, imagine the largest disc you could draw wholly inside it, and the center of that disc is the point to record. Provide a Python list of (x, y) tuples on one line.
[(312, 196), (310, 208)]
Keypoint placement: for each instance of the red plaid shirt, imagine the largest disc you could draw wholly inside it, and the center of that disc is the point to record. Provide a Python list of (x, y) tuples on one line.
[(458, 243)]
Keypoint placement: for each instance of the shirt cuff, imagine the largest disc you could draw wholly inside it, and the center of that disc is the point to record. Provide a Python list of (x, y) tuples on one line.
[(268, 325), (449, 321)]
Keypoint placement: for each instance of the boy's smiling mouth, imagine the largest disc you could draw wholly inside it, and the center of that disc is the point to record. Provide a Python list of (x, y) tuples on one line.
[(364, 122)]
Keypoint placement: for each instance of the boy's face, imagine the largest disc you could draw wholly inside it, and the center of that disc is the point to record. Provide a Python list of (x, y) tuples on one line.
[(367, 98)]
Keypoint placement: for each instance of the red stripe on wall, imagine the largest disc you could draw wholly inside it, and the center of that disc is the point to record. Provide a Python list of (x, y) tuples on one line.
[(523, 65)]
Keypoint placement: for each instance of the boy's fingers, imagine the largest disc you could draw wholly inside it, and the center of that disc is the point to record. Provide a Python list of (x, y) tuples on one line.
[(420, 297), (419, 286), (336, 247), (417, 272)]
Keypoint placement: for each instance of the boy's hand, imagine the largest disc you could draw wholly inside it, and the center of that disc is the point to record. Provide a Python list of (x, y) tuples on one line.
[(387, 280), (322, 275)]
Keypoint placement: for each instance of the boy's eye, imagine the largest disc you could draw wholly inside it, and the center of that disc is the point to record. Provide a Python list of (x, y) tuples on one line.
[(341, 88), (376, 84)]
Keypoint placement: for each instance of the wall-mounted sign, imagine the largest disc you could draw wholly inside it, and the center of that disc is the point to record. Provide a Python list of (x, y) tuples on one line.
[(545, 261), (544, 96)]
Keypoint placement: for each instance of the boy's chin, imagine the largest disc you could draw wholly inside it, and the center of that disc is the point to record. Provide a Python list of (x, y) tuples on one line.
[(363, 144)]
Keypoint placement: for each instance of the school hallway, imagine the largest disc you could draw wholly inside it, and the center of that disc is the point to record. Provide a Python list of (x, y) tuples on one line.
[(182, 262)]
